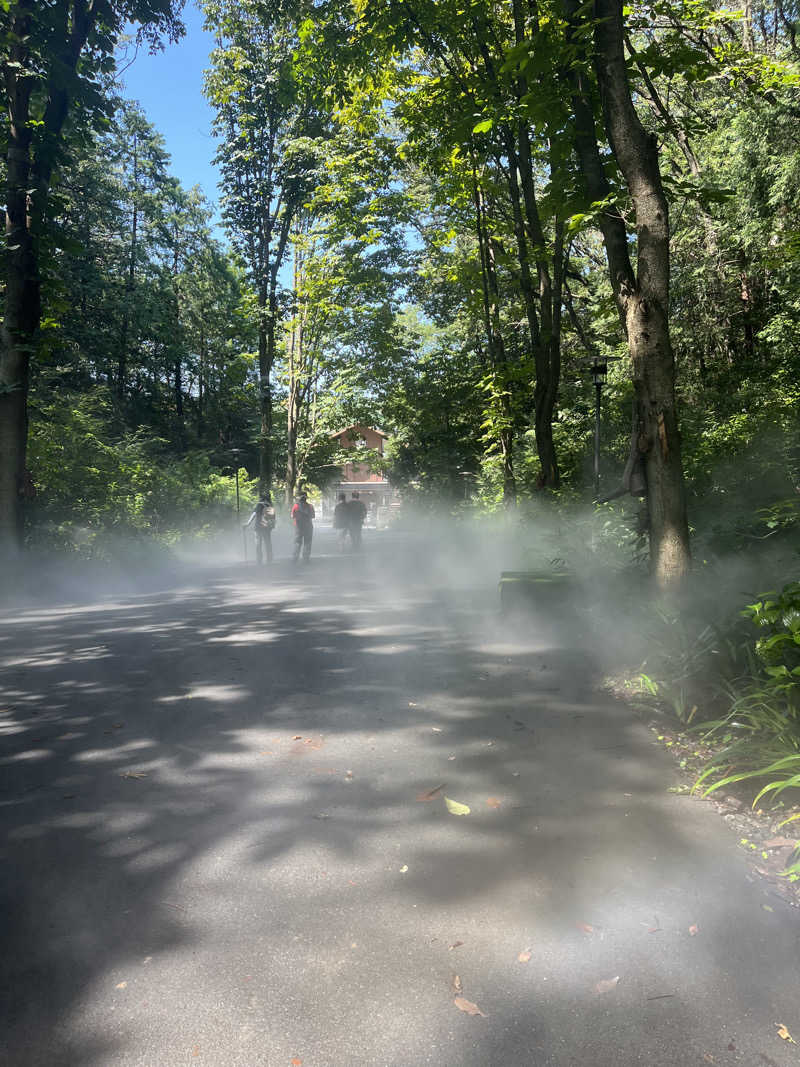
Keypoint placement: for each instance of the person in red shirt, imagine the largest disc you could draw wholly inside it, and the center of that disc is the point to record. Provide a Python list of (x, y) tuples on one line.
[(303, 516)]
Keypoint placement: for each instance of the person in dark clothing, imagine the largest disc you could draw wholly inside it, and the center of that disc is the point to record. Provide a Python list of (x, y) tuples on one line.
[(263, 520), (357, 512), (341, 519), (303, 518)]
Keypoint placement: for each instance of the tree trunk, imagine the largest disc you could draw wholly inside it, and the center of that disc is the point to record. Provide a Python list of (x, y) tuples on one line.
[(546, 342), (548, 381), (28, 175), (130, 282), (642, 298), (295, 400), (495, 343), (646, 308), (265, 407), (22, 307)]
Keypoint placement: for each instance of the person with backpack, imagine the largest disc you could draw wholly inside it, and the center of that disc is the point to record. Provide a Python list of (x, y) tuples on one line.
[(263, 519), (303, 515)]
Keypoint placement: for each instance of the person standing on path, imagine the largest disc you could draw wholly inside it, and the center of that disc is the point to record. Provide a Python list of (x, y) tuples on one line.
[(357, 511), (341, 520), (303, 515), (264, 519)]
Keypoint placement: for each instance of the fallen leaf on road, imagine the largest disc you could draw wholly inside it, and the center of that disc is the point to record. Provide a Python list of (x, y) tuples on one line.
[(784, 1033), (423, 797), (767, 907), (606, 985), (121, 985), (456, 984), (296, 1062), (196, 1050), (456, 944), (467, 1006), (708, 1057), (455, 808), (494, 802), (134, 774), (780, 842), (585, 927), (524, 957), (404, 868), (297, 737), (694, 929)]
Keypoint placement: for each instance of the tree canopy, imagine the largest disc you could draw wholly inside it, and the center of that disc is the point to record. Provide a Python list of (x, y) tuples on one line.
[(436, 215)]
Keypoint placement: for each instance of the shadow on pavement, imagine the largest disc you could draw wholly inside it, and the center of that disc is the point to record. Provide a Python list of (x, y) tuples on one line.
[(214, 849)]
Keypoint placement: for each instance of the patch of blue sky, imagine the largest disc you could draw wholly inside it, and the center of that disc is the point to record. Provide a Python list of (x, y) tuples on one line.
[(169, 88)]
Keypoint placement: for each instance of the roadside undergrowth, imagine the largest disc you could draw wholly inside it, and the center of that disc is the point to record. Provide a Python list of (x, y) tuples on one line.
[(725, 700)]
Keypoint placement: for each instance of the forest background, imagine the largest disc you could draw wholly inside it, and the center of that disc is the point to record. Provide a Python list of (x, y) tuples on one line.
[(435, 214)]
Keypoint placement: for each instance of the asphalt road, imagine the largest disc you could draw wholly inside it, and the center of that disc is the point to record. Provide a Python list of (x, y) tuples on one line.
[(215, 851)]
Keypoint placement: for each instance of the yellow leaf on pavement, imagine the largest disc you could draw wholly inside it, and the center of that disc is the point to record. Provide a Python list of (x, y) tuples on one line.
[(455, 808), (784, 1033)]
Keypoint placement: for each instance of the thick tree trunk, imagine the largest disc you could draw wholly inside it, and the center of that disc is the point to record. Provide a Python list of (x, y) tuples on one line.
[(21, 313), (647, 307), (642, 297), (28, 175)]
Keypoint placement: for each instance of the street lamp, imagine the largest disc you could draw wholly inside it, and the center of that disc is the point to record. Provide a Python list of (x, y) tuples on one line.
[(598, 368), (236, 452)]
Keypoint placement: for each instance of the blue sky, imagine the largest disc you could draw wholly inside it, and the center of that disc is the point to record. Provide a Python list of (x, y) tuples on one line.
[(169, 87)]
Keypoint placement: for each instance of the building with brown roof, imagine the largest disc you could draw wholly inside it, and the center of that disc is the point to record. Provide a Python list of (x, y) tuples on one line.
[(372, 486)]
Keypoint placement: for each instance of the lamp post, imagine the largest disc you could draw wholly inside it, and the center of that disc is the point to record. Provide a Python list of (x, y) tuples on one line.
[(598, 368), (236, 452)]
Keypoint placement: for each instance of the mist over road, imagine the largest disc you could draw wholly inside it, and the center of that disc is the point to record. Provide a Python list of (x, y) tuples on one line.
[(223, 841)]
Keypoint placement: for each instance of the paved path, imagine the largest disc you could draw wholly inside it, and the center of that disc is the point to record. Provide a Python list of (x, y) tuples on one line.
[(214, 851)]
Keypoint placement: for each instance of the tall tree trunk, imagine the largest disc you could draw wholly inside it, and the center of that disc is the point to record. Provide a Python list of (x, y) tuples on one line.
[(265, 348), (22, 296), (295, 397), (28, 175), (20, 323), (201, 374), (548, 381), (646, 308), (642, 297), (130, 282), (546, 343), (495, 343)]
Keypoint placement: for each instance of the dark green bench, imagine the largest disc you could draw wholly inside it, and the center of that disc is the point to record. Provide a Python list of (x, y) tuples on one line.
[(534, 589)]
